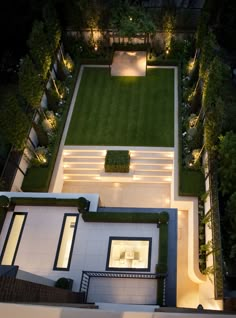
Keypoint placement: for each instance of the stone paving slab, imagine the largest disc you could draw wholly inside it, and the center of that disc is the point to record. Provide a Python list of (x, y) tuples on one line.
[(129, 63)]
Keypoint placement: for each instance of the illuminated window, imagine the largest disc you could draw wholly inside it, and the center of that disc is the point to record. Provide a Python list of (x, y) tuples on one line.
[(129, 254), (66, 242), (13, 239)]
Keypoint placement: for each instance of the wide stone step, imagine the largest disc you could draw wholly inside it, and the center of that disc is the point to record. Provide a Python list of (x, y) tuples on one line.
[(157, 167), (84, 154), (152, 161), (92, 172), (83, 165), (151, 155), (84, 160), (153, 174), (149, 179), (136, 179)]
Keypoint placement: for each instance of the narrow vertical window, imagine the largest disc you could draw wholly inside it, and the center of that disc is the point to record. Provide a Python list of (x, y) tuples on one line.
[(13, 239), (66, 242)]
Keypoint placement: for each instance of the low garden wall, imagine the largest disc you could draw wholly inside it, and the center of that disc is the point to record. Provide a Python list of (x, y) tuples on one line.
[(17, 290)]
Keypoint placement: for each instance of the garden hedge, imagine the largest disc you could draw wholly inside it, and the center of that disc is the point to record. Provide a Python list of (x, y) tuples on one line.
[(121, 217), (162, 266), (130, 47), (162, 62), (117, 161), (44, 201), (38, 179)]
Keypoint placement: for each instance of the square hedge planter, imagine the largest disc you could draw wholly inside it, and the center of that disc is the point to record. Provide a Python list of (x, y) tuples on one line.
[(117, 161)]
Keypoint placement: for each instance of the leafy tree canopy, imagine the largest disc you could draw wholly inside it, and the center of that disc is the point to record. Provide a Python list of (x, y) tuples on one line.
[(30, 83), (130, 20), (214, 79), (208, 52), (13, 121), (227, 168), (40, 48), (52, 28)]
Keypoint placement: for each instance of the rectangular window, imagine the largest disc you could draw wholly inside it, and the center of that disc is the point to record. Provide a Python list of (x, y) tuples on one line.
[(66, 242), (129, 253), (13, 238)]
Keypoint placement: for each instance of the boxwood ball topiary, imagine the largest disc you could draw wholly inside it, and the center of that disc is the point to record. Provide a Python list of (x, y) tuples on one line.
[(164, 217), (4, 201), (63, 283), (83, 204)]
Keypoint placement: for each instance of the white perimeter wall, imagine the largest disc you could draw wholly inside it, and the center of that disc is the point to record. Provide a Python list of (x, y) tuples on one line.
[(39, 241)]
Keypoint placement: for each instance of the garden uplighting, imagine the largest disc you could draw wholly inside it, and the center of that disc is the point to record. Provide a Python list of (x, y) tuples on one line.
[(190, 66)]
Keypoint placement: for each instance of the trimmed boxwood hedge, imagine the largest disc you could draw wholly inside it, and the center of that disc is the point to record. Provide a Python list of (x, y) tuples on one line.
[(161, 62), (162, 266), (117, 161), (44, 201), (163, 244), (130, 46), (121, 217)]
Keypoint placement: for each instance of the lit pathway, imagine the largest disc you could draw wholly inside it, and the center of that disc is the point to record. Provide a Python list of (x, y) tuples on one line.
[(125, 194), (187, 290)]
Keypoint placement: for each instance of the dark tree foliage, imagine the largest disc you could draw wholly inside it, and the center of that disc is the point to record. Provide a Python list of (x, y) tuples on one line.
[(30, 83), (130, 20), (227, 166), (40, 48), (13, 121)]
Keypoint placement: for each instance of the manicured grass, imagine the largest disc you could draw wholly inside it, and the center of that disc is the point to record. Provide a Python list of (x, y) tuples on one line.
[(124, 111)]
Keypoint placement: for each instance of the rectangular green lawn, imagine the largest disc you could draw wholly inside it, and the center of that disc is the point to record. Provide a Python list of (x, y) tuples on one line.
[(124, 111)]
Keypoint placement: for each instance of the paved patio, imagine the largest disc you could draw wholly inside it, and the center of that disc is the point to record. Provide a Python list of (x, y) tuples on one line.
[(129, 63), (125, 194)]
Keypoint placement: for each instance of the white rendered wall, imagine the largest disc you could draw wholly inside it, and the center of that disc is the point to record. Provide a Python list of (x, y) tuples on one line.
[(39, 242)]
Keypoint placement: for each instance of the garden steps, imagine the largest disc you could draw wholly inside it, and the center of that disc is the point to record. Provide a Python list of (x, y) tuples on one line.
[(155, 167), (83, 165), (151, 161), (136, 179), (83, 160), (82, 154), (151, 155), (88, 172), (146, 166), (153, 173)]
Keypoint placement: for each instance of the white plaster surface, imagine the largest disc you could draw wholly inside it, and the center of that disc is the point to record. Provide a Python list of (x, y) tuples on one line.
[(125, 194), (38, 245)]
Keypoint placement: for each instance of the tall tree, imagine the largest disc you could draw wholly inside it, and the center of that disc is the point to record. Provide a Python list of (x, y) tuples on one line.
[(40, 50), (227, 167), (208, 52), (13, 121), (30, 83), (130, 20), (52, 28)]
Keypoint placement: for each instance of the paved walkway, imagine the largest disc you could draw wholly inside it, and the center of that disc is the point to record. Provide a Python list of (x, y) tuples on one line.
[(125, 194), (187, 290)]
